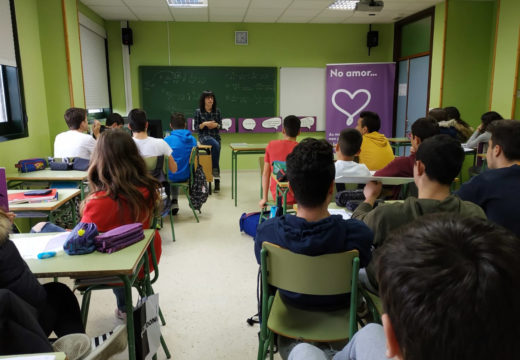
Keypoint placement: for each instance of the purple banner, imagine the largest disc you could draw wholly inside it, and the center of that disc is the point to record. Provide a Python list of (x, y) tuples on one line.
[(353, 88), (228, 125)]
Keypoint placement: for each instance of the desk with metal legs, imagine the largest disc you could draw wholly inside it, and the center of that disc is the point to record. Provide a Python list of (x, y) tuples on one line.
[(124, 264), (397, 143), (48, 175), (241, 149), (39, 209)]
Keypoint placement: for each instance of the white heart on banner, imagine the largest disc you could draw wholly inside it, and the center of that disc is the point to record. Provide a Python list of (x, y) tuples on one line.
[(350, 117)]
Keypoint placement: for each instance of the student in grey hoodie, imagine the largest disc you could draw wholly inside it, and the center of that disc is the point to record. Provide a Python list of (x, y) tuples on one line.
[(437, 162)]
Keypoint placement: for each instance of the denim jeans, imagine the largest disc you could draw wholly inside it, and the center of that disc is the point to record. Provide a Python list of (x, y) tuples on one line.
[(215, 150)]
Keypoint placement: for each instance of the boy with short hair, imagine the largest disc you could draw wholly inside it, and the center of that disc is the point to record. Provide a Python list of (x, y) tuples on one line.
[(313, 231), (349, 146), (115, 121), (74, 142), (277, 150), (402, 166), (437, 162), (376, 151), (498, 190), (181, 142), (147, 145), (444, 279)]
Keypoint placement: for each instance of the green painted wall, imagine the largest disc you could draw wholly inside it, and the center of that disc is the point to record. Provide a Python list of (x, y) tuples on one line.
[(302, 45), (467, 71), (416, 37), (506, 57), (437, 62), (37, 144)]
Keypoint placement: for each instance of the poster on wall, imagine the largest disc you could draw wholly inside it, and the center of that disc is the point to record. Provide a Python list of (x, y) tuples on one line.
[(273, 124), (353, 88), (228, 125)]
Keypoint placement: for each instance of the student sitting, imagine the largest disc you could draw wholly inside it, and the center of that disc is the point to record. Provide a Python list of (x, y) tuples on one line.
[(497, 190), (181, 142), (277, 150), (74, 142), (115, 121), (349, 146), (482, 135), (437, 162), (148, 146), (463, 129), (53, 305), (450, 288), (402, 166), (313, 231), (376, 151), (121, 192), (445, 127)]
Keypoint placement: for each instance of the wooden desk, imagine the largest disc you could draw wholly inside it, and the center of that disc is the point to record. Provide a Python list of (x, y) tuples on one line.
[(397, 143), (49, 175), (385, 180), (125, 264), (241, 149), (43, 208)]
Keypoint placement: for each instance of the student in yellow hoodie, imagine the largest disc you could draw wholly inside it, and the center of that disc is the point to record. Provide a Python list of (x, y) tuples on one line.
[(376, 151)]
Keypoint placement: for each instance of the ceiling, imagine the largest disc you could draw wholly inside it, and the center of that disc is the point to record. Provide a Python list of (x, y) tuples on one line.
[(262, 11)]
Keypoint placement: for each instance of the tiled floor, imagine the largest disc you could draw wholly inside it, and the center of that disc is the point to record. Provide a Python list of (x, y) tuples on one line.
[(207, 282)]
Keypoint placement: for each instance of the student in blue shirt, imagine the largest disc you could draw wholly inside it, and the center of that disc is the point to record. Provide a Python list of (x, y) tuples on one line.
[(182, 142)]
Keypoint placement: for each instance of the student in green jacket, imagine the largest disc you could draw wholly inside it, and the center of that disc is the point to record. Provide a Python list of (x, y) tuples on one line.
[(437, 162)]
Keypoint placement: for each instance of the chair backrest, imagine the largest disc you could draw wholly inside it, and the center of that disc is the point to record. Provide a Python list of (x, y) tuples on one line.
[(481, 149), (151, 163), (328, 274), (154, 165)]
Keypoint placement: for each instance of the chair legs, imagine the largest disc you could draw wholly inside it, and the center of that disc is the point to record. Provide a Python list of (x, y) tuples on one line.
[(189, 201)]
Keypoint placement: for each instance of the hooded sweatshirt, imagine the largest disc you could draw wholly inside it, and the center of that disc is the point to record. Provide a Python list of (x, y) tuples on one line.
[(387, 217), (181, 141), (376, 151), (330, 235)]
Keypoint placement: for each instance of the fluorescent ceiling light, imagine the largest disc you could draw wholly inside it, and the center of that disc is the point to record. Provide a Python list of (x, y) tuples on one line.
[(187, 3), (343, 5)]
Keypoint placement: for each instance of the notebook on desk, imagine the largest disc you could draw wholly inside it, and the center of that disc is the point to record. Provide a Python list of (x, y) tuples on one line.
[(22, 197)]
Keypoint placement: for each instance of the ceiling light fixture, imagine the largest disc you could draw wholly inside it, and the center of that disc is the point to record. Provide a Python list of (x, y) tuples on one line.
[(343, 5), (187, 3)]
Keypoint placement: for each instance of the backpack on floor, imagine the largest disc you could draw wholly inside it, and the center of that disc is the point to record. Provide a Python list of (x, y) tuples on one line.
[(199, 189)]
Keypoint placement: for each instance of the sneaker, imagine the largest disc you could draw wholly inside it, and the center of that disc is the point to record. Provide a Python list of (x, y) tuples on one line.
[(174, 207), (106, 345), (121, 315), (215, 172), (217, 185), (75, 346)]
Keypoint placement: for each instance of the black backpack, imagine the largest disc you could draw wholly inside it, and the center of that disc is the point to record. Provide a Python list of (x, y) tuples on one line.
[(199, 188)]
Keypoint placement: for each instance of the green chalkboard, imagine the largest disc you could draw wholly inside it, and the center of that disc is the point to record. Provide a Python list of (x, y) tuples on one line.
[(240, 91)]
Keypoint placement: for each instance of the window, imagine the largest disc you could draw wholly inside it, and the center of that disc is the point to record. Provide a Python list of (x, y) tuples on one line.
[(94, 59), (12, 106)]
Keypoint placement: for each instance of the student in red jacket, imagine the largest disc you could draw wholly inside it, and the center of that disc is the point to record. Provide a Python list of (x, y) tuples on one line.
[(121, 192)]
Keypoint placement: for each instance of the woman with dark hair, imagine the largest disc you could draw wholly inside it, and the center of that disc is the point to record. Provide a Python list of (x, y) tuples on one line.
[(208, 121), (481, 135)]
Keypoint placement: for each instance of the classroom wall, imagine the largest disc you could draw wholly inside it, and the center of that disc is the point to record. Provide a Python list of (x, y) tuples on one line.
[(506, 55), (468, 61), (437, 56), (212, 44)]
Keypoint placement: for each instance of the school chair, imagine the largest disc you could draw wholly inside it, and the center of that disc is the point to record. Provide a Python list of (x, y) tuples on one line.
[(328, 274), (479, 161), (155, 166), (374, 304), (87, 285), (261, 166)]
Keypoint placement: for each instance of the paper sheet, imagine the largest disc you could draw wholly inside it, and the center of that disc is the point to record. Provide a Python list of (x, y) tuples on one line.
[(30, 247), (341, 212)]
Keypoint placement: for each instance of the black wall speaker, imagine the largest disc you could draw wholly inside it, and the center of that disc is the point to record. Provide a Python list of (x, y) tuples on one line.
[(126, 35), (372, 38)]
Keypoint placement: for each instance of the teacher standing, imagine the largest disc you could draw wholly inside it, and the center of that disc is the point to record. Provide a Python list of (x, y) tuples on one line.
[(208, 121)]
